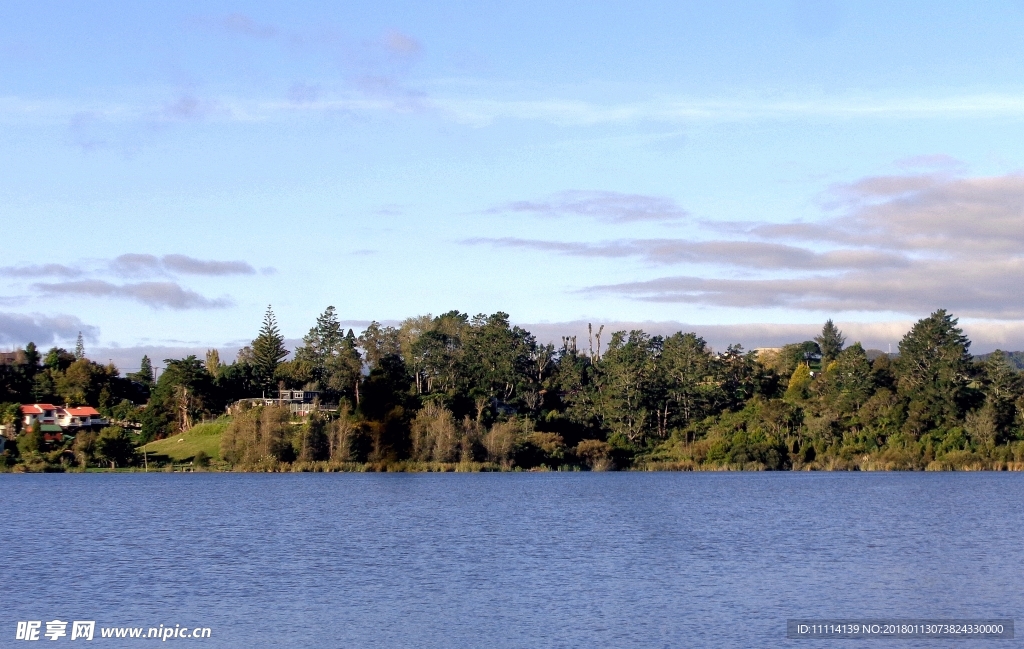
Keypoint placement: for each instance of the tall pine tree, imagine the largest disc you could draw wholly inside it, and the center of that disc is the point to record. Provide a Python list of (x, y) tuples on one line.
[(322, 344), (268, 351), (145, 373), (830, 342)]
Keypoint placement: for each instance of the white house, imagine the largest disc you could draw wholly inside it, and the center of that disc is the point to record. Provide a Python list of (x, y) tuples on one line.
[(66, 418), (44, 413)]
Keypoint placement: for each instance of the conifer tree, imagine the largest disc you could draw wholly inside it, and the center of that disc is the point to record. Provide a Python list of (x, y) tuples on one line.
[(933, 371), (268, 350), (830, 342), (145, 373), (322, 344), (79, 347)]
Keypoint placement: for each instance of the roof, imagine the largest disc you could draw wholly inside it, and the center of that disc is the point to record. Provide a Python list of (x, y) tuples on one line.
[(84, 411), (50, 428), (37, 408)]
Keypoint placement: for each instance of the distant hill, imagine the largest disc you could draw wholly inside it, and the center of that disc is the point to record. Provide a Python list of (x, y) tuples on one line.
[(1015, 358)]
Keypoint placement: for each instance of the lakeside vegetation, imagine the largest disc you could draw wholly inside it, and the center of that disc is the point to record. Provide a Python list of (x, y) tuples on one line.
[(455, 392)]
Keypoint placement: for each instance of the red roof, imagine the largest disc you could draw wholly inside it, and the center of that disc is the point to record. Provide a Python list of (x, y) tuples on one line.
[(37, 408), (84, 411)]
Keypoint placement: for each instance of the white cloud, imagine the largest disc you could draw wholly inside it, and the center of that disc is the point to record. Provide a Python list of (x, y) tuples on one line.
[(154, 294)]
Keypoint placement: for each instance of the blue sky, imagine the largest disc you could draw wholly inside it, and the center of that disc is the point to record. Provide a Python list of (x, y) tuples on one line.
[(743, 169)]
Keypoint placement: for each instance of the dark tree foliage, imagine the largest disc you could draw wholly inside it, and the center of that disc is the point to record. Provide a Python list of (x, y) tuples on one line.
[(268, 351), (63, 379), (454, 388), (830, 342), (321, 346), (933, 371), (184, 394), (144, 376)]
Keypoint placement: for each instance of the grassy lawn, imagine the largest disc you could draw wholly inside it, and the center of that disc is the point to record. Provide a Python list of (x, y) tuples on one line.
[(180, 448)]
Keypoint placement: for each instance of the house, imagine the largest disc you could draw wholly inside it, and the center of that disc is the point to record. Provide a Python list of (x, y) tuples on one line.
[(300, 402), (43, 413), (298, 396), (63, 419), (81, 417), (52, 433)]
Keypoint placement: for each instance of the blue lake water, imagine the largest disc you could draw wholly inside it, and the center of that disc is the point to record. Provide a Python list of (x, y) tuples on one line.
[(509, 560)]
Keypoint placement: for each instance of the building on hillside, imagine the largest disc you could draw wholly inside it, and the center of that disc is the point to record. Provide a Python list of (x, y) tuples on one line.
[(8, 358), (298, 396), (52, 433), (65, 419), (42, 413), (81, 417), (300, 402)]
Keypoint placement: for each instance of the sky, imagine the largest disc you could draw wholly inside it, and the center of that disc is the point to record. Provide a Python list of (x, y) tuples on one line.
[(744, 170)]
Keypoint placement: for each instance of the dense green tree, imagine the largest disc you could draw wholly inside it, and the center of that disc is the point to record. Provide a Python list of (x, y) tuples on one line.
[(388, 386), (144, 376), (830, 342), (438, 351), (499, 360), (10, 417), (320, 347), (114, 447), (184, 394), (799, 382), (32, 356), (344, 370), (627, 376), (409, 334), (43, 388), (378, 343), (74, 382), (574, 382), (31, 440), (740, 378), (1002, 387), (687, 372), (268, 351), (846, 382), (17, 378), (238, 381), (933, 372), (58, 359)]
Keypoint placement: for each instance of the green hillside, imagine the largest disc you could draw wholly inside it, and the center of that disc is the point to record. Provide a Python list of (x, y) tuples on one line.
[(182, 448), (1016, 359)]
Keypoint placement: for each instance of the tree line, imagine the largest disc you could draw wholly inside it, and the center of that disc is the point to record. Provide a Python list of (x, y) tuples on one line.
[(455, 390)]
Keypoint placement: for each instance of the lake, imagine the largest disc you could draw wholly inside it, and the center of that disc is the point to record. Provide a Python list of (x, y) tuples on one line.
[(508, 560)]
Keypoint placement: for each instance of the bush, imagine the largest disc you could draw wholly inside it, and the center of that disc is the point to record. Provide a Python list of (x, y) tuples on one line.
[(595, 454)]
